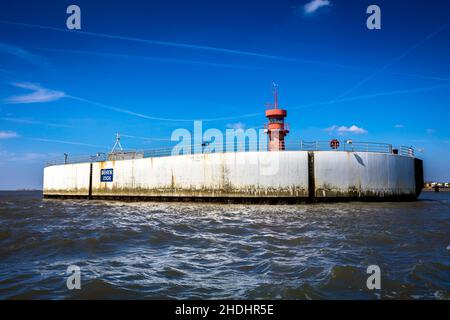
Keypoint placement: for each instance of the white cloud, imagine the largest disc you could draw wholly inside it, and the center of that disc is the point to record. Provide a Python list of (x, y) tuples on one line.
[(39, 94), (315, 5), (22, 54), (8, 157), (398, 126), (342, 130), (353, 129), (8, 134), (237, 125), (35, 122), (431, 131)]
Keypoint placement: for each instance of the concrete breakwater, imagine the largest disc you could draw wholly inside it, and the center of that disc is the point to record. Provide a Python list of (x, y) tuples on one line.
[(271, 176)]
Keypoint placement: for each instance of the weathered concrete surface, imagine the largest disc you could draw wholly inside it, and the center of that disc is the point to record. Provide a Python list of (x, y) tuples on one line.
[(363, 174), (68, 179), (242, 174), (245, 175)]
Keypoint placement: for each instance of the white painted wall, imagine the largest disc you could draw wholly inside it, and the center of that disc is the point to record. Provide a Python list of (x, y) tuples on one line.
[(68, 179), (242, 174), (219, 174), (340, 173)]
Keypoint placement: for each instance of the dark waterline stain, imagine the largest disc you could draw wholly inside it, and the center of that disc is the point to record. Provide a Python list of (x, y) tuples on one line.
[(210, 251)]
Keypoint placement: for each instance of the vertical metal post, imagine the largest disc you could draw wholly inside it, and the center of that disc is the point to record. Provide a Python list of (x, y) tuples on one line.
[(90, 182), (311, 177)]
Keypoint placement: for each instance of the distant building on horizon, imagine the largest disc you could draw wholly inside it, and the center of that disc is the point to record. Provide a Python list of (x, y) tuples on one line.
[(432, 184)]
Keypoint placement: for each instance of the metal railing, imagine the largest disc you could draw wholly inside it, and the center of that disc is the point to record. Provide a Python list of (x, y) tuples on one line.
[(286, 126), (205, 148)]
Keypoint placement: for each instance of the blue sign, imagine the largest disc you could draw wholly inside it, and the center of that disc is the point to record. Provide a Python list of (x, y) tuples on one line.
[(106, 175)]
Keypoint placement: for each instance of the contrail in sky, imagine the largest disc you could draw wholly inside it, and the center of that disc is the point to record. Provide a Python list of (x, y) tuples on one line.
[(372, 95), (250, 115), (144, 116), (184, 45), (243, 53), (227, 51), (395, 60), (204, 63), (144, 138), (67, 142), (169, 60)]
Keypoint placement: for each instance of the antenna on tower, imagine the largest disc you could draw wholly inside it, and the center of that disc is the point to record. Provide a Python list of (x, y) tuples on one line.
[(117, 144), (275, 96)]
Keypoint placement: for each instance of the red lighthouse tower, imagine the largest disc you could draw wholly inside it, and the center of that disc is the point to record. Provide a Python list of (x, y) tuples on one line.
[(276, 128)]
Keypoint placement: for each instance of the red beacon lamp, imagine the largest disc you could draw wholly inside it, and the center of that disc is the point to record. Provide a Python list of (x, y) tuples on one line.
[(277, 129)]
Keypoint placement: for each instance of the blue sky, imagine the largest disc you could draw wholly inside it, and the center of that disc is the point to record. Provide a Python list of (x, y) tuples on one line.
[(139, 68)]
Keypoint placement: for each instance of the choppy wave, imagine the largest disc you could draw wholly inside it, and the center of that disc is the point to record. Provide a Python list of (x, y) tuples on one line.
[(212, 251)]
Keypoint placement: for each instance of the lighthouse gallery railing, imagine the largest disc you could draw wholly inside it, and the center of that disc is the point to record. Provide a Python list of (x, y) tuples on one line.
[(344, 146)]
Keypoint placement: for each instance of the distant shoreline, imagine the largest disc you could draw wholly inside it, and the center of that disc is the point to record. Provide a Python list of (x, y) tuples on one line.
[(39, 190), (432, 189), (15, 190)]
